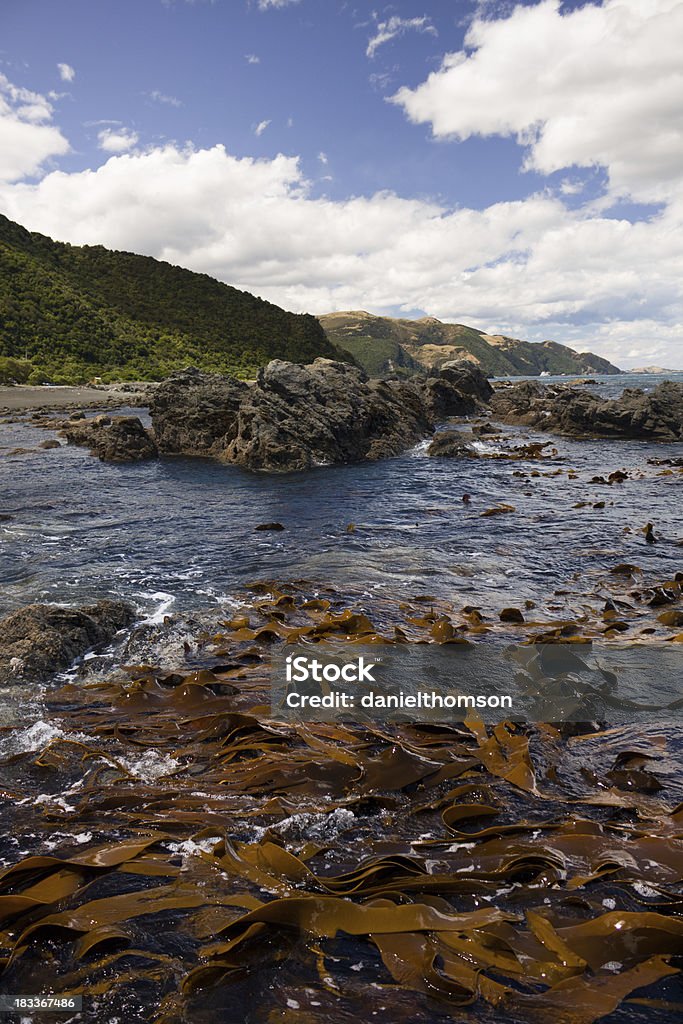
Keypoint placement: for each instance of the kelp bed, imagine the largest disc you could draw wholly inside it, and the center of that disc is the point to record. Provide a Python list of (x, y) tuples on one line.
[(204, 859)]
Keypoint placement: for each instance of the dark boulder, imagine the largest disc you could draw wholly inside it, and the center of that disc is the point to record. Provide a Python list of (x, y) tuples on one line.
[(450, 445), (455, 389), (468, 378), (113, 439), (195, 413), (293, 417), (40, 639), (443, 399)]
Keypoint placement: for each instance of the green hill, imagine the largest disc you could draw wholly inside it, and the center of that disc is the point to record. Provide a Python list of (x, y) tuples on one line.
[(76, 312), (426, 343)]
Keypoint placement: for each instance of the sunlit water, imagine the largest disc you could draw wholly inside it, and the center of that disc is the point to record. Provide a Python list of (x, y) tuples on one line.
[(180, 533)]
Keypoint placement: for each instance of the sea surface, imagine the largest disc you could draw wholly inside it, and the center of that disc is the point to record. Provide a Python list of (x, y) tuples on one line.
[(180, 533)]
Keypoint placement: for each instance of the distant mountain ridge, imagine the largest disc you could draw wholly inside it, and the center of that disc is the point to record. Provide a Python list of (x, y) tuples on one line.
[(74, 312), (384, 344)]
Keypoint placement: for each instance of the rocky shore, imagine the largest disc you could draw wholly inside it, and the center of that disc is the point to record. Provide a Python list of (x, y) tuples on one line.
[(40, 639), (294, 417), (655, 415)]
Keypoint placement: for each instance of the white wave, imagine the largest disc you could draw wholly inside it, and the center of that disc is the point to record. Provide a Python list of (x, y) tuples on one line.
[(151, 766), (164, 603), (486, 448), (419, 449), (36, 737), (311, 826)]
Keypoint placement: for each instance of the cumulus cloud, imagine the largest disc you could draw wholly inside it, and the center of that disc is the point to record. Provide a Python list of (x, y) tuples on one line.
[(252, 58), (596, 86), (531, 268), (66, 72), (396, 26), (261, 127), (27, 139), (117, 140)]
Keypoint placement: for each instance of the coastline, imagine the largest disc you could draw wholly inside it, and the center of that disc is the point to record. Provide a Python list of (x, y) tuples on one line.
[(28, 398)]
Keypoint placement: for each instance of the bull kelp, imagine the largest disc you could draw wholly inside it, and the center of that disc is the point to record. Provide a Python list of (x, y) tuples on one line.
[(175, 853)]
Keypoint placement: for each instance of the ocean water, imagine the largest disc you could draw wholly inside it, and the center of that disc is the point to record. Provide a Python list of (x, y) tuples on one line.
[(180, 533)]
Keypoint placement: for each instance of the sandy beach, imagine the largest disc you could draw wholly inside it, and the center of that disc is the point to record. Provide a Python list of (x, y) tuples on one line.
[(22, 398)]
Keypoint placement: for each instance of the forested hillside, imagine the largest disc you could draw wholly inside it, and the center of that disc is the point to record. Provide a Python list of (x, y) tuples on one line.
[(77, 312)]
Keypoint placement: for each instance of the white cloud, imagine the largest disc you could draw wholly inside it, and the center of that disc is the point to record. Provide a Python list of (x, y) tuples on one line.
[(264, 5), (161, 97), (252, 58), (597, 86), (395, 26), (66, 72), (323, 158), (531, 268), (27, 139), (261, 127), (117, 140)]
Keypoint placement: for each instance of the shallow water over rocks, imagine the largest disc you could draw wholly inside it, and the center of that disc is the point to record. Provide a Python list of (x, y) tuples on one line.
[(205, 856)]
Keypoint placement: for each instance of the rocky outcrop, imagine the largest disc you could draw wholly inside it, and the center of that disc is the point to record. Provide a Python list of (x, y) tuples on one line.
[(294, 417), (467, 378), (41, 639), (457, 389), (195, 413), (654, 415), (112, 439)]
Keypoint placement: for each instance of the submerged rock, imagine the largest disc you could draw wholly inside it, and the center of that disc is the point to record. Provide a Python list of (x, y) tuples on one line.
[(655, 415), (511, 615), (450, 445), (295, 417), (41, 639), (113, 439)]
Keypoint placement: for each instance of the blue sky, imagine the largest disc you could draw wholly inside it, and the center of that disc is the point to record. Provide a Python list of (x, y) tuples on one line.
[(512, 166)]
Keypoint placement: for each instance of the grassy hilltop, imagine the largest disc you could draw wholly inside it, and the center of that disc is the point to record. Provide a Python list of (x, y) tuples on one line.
[(382, 344), (69, 313)]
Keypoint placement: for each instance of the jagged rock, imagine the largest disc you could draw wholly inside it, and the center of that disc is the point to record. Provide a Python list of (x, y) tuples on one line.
[(328, 412), (40, 639), (113, 439), (295, 417), (655, 415), (468, 378), (455, 389), (195, 413), (442, 399)]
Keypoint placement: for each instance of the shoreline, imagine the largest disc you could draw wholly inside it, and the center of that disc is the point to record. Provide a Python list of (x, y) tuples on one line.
[(29, 398)]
